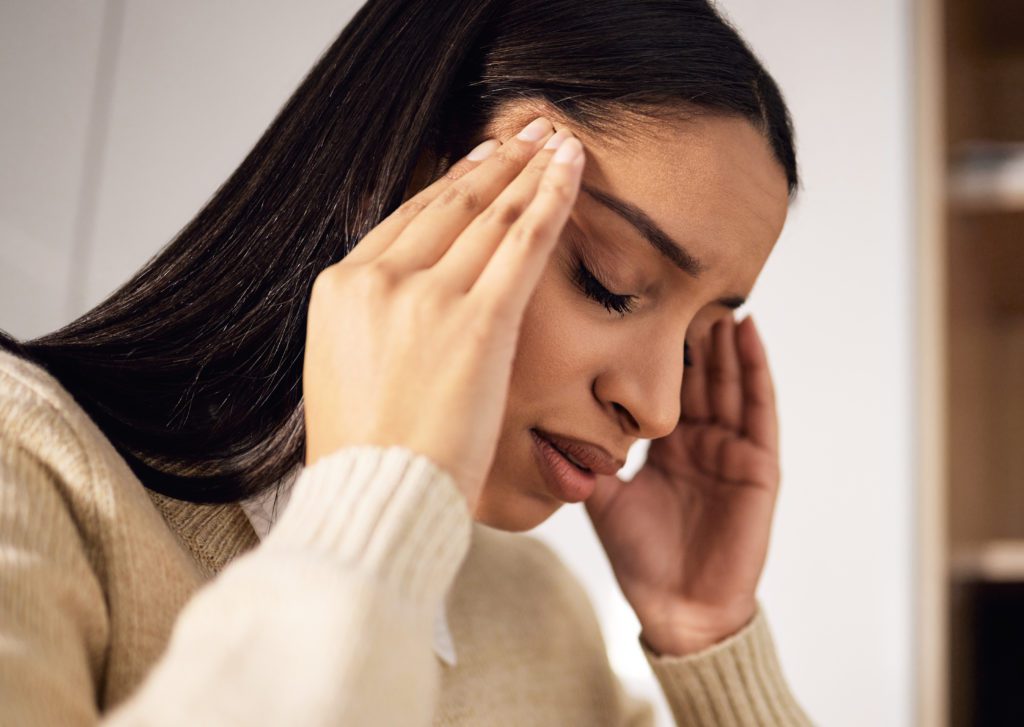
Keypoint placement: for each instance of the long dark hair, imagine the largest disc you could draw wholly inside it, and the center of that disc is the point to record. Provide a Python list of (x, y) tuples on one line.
[(193, 368)]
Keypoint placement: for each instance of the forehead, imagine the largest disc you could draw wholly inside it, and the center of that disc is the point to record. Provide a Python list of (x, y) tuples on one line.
[(710, 182)]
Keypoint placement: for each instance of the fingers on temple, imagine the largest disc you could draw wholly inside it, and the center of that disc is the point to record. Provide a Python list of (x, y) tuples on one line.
[(387, 230), (760, 419), (466, 258), (442, 218), (513, 270), (725, 385)]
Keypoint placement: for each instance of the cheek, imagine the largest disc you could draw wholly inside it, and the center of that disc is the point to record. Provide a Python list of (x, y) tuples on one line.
[(558, 343)]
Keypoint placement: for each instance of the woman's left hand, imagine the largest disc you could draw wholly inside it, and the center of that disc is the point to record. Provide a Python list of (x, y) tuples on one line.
[(688, 536)]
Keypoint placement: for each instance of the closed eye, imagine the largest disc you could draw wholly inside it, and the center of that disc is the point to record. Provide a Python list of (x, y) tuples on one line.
[(595, 290)]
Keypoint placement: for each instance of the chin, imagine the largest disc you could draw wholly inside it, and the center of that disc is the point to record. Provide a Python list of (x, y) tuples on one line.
[(514, 511)]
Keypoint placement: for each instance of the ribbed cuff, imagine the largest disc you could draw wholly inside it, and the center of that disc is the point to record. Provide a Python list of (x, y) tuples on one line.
[(385, 510), (737, 681)]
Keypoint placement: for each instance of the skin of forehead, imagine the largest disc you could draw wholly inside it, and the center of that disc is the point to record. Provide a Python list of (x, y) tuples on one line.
[(709, 181)]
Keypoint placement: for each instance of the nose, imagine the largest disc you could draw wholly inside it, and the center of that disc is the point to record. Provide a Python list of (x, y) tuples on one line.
[(644, 383)]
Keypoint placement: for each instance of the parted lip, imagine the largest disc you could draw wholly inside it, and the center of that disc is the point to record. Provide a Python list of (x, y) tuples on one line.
[(592, 456)]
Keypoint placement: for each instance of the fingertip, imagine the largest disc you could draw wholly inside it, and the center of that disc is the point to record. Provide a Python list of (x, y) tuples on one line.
[(569, 151), (483, 150), (555, 140), (750, 341)]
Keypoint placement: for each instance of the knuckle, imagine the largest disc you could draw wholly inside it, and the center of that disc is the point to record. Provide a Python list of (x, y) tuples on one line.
[(461, 197), (456, 171), (487, 312), (478, 331), (329, 280), (528, 235), (493, 316), (511, 157), (537, 166), (411, 207), (381, 275), (504, 214), (424, 290), (723, 375), (421, 306)]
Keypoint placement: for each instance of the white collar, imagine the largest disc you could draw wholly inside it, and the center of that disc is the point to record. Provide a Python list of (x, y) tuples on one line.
[(263, 509)]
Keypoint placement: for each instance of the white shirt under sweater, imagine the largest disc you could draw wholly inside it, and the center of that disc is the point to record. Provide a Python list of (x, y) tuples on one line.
[(264, 509)]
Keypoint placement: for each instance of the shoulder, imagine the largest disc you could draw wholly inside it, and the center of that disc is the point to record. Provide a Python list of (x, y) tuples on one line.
[(44, 428), (41, 422), (22, 380), (66, 479), (39, 415)]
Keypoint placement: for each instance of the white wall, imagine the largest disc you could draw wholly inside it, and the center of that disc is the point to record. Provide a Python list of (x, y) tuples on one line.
[(49, 56), (120, 119)]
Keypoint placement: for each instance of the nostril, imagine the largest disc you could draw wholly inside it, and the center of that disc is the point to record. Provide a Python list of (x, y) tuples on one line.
[(633, 424)]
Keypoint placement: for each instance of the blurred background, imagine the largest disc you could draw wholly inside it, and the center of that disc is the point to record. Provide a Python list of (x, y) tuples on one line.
[(892, 307)]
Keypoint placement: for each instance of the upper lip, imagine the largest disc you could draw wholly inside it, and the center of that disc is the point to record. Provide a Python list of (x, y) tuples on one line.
[(592, 456)]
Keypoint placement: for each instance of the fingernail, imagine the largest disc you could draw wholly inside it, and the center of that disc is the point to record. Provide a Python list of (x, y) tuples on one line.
[(483, 150), (568, 151), (557, 139), (535, 129)]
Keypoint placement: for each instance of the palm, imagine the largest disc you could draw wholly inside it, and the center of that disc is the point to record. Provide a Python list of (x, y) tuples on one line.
[(687, 538)]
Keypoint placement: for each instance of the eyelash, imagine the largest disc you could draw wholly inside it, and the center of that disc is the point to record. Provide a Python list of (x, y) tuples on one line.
[(621, 304), (593, 289)]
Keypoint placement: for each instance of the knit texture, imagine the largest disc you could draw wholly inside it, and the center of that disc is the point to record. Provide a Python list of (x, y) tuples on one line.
[(121, 606), (264, 508)]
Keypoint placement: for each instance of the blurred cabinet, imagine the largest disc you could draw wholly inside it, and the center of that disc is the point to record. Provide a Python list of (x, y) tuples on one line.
[(971, 117)]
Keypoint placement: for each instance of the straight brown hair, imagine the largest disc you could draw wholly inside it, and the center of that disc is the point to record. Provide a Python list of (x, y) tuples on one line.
[(193, 368)]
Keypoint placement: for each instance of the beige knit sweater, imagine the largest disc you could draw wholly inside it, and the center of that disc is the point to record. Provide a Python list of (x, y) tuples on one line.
[(121, 606)]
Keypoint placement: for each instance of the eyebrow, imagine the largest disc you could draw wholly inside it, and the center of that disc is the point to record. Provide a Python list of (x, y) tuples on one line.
[(658, 238)]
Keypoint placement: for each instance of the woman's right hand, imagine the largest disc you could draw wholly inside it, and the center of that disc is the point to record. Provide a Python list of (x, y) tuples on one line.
[(410, 338)]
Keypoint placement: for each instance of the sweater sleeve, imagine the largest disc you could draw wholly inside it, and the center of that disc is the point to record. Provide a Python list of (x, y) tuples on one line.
[(736, 682), (328, 620)]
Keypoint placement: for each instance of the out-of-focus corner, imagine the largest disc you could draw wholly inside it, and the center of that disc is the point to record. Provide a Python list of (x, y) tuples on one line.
[(970, 190)]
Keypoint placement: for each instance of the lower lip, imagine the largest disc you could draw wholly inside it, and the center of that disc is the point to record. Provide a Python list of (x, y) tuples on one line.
[(565, 480)]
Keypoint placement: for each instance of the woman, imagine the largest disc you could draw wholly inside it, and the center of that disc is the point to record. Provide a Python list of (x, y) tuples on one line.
[(421, 381)]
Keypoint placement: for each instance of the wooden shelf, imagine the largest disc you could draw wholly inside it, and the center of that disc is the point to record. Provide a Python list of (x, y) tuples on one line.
[(997, 561), (990, 203), (970, 143), (987, 176)]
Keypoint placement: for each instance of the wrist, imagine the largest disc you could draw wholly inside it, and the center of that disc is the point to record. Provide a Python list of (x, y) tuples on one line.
[(677, 637), (680, 644)]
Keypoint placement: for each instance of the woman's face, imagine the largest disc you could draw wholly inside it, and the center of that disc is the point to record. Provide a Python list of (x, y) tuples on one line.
[(581, 370)]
